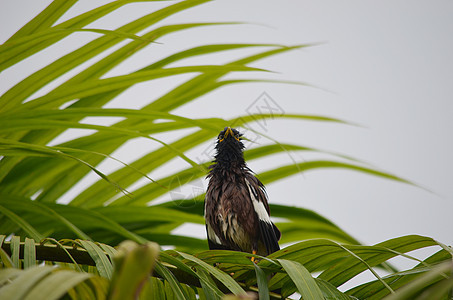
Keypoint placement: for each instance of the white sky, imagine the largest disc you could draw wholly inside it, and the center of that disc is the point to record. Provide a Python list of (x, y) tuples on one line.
[(387, 65)]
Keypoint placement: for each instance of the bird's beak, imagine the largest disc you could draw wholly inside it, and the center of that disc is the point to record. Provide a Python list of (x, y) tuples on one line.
[(229, 131)]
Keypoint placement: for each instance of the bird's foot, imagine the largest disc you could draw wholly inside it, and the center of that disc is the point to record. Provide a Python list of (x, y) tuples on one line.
[(253, 258)]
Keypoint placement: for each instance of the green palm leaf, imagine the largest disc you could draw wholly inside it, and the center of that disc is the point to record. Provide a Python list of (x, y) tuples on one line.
[(36, 172)]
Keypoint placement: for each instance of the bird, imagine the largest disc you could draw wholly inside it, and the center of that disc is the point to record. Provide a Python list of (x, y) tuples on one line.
[(236, 208)]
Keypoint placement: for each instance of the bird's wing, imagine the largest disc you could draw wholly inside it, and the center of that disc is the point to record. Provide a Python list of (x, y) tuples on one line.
[(214, 242), (269, 233), (215, 239)]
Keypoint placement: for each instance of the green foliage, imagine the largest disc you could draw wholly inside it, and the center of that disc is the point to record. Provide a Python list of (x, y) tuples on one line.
[(34, 176), (124, 273)]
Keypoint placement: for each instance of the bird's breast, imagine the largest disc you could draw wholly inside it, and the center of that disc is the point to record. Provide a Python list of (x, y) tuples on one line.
[(235, 213), (233, 230)]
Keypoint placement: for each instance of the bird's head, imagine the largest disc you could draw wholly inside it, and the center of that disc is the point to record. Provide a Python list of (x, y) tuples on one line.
[(229, 135), (229, 146)]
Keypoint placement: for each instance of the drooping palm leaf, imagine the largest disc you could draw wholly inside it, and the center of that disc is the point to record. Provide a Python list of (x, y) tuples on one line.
[(35, 173), (289, 268)]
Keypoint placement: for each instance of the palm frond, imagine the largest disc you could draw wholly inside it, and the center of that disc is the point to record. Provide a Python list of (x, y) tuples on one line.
[(218, 272), (77, 261)]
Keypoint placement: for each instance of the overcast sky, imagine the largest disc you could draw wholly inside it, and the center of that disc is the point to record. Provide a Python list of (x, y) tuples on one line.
[(386, 65)]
